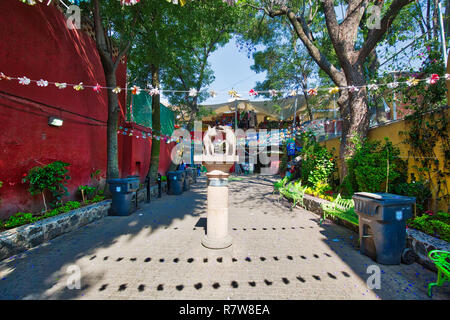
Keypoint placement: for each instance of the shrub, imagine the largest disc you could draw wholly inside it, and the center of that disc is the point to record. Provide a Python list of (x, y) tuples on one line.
[(51, 177), (368, 168), (433, 224), (86, 192), (318, 164), (415, 189)]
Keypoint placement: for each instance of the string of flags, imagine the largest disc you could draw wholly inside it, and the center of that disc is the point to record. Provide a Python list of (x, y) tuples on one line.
[(146, 135), (122, 2), (135, 90), (262, 139), (77, 2)]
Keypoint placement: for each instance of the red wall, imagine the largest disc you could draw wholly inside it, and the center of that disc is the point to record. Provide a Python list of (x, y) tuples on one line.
[(35, 43), (135, 152)]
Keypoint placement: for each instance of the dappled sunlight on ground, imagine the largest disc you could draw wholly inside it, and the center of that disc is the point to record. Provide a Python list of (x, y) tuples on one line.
[(155, 253)]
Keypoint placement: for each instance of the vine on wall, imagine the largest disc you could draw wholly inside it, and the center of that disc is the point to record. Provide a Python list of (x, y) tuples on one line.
[(428, 130)]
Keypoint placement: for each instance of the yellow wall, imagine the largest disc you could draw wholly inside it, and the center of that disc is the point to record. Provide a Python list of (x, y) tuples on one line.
[(392, 132)]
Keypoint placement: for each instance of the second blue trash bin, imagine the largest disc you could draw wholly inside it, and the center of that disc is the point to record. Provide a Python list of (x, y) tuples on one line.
[(186, 184), (192, 175), (175, 180), (122, 195)]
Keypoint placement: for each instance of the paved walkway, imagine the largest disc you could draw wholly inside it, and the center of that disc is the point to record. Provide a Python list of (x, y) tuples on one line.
[(156, 254)]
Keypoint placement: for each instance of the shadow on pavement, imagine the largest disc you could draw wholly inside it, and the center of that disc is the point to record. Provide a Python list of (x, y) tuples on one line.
[(35, 273)]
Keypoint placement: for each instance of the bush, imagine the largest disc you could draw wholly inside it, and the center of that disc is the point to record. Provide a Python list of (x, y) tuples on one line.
[(415, 189), (368, 168), (87, 192), (51, 177), (318, 164), (433, 224)]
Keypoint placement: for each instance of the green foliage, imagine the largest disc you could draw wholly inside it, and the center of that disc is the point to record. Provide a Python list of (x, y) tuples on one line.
[(416, 189), (284, 158), (318, 164), (87, 192), (51, 177), (179, 41), (97, 198), (429, 125), (18, 219), (21, 218), (96, 175), (433, 224), (348, 184), (68, 206), (368, 168), (87, 189)]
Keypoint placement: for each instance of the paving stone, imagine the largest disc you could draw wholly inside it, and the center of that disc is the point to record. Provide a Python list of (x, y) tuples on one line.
[(284, 254)]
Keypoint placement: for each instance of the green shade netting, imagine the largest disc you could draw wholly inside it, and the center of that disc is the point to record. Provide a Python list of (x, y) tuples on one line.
[(142, 113)]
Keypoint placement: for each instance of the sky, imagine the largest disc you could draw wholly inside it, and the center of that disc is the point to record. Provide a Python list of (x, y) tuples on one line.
[(232, 71)]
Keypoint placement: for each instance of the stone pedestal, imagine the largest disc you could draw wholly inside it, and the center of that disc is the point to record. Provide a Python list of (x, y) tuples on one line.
[(217, 167)]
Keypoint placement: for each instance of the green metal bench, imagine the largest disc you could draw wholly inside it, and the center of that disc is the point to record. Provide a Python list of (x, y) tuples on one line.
[(294, 192), (442, 261), (341, 208)]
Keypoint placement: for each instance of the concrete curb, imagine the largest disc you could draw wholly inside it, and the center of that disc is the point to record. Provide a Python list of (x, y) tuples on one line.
[(17, 240), (422, 244)]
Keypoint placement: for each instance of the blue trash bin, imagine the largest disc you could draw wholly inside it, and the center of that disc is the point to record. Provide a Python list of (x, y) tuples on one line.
[(122, 195), (175, 181), (186, 185), (382, 226), (191, 175)]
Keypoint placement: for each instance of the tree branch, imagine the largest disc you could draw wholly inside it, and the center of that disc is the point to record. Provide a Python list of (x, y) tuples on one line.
[(375, 35), (336, 75), (121, 54), (102, 45)]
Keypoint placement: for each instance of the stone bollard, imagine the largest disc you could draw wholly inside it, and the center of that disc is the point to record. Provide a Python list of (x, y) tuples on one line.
[(217, 167), (217, 236)]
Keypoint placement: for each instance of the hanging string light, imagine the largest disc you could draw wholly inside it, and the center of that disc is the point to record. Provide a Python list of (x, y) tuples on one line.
[(135, 90)]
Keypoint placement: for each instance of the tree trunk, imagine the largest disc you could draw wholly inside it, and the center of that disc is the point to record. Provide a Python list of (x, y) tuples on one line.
[(308, 107), (355, 116), (112, 169), (156, 128), (109, 69)]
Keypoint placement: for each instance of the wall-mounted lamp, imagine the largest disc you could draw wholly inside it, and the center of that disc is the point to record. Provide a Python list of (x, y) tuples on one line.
[(56, 122)]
